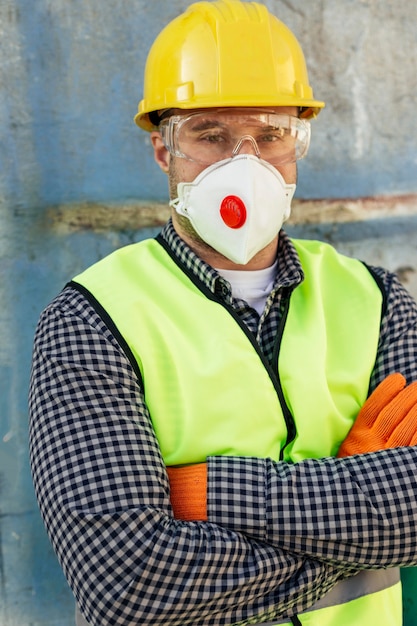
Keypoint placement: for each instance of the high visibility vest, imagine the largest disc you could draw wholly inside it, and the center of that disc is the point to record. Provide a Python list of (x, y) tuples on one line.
[(210, 390)]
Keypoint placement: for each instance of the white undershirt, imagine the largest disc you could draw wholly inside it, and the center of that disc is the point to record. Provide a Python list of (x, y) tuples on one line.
[(254, 286)]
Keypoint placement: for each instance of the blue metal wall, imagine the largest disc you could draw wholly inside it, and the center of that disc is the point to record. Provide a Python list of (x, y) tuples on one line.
[(70, 78)]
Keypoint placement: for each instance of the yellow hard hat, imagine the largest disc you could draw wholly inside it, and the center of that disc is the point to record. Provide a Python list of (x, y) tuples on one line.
[(225, 53)]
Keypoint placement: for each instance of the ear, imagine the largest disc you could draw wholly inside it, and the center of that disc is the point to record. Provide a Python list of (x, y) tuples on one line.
[(160, 153)]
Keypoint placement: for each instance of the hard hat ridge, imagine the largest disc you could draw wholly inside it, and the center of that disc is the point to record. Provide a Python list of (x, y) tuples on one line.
[(233, 10)]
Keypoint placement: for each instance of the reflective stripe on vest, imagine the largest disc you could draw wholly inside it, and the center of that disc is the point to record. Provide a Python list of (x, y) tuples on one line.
[(368, 597), (207, 385)]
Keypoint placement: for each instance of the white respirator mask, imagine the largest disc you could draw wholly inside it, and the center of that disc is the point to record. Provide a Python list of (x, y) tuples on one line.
[(237, 206)]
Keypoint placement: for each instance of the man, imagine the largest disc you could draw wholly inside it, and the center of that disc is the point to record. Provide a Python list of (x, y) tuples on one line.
[(190, 394)]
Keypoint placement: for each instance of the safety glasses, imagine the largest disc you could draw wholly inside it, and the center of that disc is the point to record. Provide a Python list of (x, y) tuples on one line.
[(215, 134)]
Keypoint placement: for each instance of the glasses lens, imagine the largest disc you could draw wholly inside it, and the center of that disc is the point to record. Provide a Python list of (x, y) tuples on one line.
[(211, 136)]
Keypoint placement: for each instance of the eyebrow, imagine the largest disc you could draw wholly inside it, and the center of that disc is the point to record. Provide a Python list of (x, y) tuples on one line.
[(213, 123), (207, 124)]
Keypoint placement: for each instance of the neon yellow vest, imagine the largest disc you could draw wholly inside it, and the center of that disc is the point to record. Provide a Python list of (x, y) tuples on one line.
[(210, 391)]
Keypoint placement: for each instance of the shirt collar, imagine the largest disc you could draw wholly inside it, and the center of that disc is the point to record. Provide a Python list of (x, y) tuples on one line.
[(289, 270)]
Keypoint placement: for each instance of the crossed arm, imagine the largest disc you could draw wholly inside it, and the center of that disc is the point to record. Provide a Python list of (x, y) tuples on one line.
[(104, 495), (388, 419)]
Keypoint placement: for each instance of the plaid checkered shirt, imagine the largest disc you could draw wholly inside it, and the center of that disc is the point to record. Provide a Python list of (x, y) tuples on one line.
[(279, 535)]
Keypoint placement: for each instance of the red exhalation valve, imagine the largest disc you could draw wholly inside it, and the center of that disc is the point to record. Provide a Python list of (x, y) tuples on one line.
[(233, 211)]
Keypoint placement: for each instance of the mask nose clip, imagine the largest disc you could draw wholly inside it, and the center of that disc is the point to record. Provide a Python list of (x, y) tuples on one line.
[(240, 143)]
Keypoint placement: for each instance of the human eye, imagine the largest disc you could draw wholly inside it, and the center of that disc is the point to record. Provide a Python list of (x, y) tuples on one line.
[(206, 132), (213, 137), (272, 135)]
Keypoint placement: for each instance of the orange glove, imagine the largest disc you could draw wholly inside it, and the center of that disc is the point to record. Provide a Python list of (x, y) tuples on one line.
[(189, 491), (388, 419)]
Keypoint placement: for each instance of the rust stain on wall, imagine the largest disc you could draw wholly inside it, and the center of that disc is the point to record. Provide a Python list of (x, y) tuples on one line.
[(63, 219)]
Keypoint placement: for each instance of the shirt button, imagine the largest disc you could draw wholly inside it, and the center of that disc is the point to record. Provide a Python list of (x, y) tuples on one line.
[(222, 289), (225, 291)]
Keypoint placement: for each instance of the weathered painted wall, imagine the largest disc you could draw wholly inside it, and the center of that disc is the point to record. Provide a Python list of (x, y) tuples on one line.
[(71, 78), (77, 180)]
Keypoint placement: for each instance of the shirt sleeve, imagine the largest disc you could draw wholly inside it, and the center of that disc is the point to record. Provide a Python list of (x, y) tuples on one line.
[(397, 350), (103, 493), (360, 511), (357, 511)]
